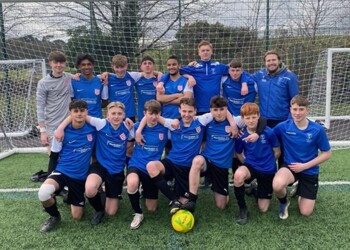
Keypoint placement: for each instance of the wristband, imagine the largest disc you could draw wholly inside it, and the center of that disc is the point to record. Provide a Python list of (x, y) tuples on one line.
[(42, 129)]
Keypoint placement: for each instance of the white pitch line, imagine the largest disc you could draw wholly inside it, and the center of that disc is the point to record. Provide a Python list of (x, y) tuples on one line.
[(23, 190)]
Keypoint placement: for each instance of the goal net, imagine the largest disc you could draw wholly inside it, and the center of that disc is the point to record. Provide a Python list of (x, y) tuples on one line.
[(18, 82), (329, 94), (300, 30)]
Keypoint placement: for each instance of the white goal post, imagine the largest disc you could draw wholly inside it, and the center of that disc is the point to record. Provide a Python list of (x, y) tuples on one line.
[(329, 94), (18, 81)]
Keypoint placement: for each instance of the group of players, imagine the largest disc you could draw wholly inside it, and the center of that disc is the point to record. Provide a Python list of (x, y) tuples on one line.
[(209, 144)]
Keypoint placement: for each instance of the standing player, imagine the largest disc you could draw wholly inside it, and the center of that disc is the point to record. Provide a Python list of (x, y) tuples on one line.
[(175, 88), (259, 161), (72, 157), (89, 87), (302, 139), (146, 85), (186, 143), (216, 158), (155, 137), (53, 98)]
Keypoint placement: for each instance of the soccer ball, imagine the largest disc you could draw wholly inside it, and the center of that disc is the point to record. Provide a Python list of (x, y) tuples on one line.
[(182, 221)]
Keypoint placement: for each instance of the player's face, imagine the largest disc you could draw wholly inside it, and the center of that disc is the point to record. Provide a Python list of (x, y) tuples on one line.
[(86, 68), (219, 114), (272, 63), (251, 121), (78, 115), (115, 116), (205, 52), (57, 67), (173, 66), (147, 67), (299, 113), (235, 73), (151, 118), (187, 113), (120, 70)]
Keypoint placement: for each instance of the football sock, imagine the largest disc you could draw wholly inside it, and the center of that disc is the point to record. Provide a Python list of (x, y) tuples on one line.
[(191, 196), (283, 200), (96, 202), (135, 201), (53, 210), (160, 182), (239, 193)]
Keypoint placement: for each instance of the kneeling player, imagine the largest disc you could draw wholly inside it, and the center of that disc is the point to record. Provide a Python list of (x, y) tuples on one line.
[(71, 159), (155, 137), (259, 161), (302, 139)]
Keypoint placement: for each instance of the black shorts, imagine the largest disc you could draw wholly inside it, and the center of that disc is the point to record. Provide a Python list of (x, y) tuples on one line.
[(264, 181), (180, 174), (307, 186), (76, 188), (113, 182), (150, 190), (219, 177)]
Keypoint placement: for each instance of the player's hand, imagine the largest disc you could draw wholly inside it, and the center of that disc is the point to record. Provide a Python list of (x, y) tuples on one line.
[(44, 138), (191, 81), (59, 135), (104, 78), (160, 88), (193, 63), (76, 76), (297, 167), (129, 123), (139, 138), (251, 138), (244, 89), (234, 131), (175, 124)]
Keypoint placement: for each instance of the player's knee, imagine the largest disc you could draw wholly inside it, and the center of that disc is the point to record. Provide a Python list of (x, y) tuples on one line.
[(238, 178), (197, 163), (263, 209), (277, 184), (111, 211), (152, 169), (45, 192), (306, 212), (77, 215), (221, 205), (151, 209), (132, 185), (90, 190)]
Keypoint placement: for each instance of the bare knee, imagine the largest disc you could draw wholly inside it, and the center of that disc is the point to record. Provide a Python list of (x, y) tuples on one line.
[(90, 191), (152, 169), (306, 212), (221, 205), (77, 215)]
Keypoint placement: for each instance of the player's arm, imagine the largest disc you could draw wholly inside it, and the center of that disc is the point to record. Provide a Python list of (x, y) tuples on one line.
[(158, 74), (104, 96), (54, 154), (262, 123), (167, 99), (244, 88), (298, 167), (239, 150), (138, 133), (233, 124), (59, 132), (40, 110), (276, 152), (190, 80)]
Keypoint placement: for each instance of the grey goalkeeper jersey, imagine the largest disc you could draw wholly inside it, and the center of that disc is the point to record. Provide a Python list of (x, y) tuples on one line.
[(52, 100)]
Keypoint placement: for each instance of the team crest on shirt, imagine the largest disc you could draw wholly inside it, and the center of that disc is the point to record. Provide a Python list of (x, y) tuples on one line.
[(308, 137), (122, 136), (227, 129), (161, 136), (155, 83), (89, 137), (179, 88), (198, 129), (128, 82), (97, 91)]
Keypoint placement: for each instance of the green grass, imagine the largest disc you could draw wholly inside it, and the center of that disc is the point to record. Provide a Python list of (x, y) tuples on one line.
[(21, 217)]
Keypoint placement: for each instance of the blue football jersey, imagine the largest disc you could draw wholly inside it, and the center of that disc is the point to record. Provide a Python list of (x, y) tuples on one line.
[(146, 90)]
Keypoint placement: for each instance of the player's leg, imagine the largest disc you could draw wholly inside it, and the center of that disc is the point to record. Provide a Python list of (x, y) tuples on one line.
[(198, 166), (241, 174), (46, 196), (133, 183), (92, 184), (76, 197), (282, 179), (219, 186), (150, 193), (114, 189), (264, 191), (307, 192)]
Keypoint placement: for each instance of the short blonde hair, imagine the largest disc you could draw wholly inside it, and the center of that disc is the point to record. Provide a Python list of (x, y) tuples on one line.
[(205, 43), (119, 60), (116, 105)]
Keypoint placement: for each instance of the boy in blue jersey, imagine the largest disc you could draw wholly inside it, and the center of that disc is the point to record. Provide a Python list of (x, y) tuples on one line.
[(174, 88), (72, 160), (259, 161), (146, 85), (302, 139), (89, 87), (216, 158), (186, 143), (155, 137)]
